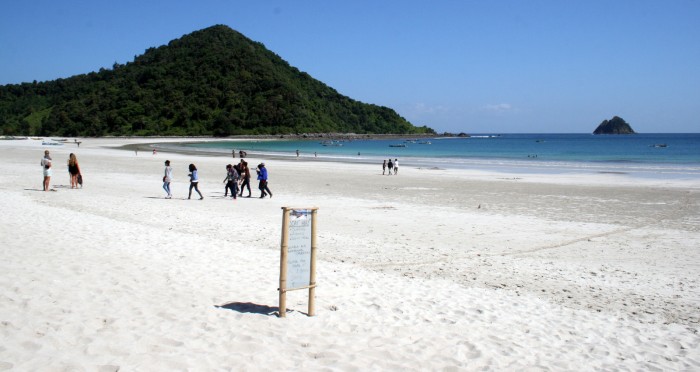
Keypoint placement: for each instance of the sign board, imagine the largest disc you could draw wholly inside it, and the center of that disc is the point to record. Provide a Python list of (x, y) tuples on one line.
[(299, 249), (298, 254)]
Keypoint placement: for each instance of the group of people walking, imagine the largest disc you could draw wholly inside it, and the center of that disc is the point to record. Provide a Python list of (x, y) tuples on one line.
[(76, 177), (236, 181), (237, 177), (392, 165)]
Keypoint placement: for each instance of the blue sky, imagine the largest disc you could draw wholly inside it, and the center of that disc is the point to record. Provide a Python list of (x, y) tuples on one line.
[(472, 66)]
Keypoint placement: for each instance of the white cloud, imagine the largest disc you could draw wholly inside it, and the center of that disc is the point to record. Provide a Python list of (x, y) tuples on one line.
[(500, 107), (422, 108)]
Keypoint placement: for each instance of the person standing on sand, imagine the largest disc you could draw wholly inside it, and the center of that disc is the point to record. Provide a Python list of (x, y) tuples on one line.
[(245, 177), (73, 170), (391, 166), (167, 178), (226, 180), (396, 166), (194, 182), (262, 177), (384, 168), (46, 167), (235, 176), (231, 181)]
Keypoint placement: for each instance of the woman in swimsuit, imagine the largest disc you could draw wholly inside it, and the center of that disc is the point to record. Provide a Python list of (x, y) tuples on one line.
[(74, 170)]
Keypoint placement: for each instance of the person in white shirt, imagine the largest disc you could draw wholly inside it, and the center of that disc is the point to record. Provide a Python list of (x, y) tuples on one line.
[(46, 166)]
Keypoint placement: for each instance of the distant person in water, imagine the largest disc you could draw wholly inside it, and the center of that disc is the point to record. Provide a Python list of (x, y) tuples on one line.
[(262, 177), (396, 166), (194, 182), (167, 178), (46, 170)]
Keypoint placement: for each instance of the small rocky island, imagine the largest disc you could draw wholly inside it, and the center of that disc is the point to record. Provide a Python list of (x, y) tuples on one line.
[(616, 125)]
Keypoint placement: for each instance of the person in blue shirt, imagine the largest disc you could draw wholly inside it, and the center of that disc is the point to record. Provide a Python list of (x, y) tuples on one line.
[(194, 181), (262, 177)]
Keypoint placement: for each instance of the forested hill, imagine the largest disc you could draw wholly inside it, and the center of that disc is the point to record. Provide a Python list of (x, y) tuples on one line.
[(212, 82)]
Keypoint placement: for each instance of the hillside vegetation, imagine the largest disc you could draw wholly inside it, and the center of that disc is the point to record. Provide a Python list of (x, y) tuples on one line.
[(212, 82)]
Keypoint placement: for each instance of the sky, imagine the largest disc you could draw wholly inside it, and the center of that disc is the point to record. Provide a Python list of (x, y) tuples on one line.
[(456, 66)]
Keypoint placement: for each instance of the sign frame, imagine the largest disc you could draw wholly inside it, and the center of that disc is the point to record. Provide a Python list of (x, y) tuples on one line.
[(284, 256)]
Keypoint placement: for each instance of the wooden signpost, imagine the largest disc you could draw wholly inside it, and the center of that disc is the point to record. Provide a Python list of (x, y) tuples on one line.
[(298, 254)]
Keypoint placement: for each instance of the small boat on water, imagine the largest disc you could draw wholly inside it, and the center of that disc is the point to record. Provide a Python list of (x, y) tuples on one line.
[(425, 143), (399, 145), (659, 145)]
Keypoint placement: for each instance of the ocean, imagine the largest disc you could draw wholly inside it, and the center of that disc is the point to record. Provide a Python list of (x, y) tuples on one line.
[(652, 155)]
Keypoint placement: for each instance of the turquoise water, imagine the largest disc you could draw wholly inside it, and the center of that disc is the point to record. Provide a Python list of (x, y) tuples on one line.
[(666, 154)]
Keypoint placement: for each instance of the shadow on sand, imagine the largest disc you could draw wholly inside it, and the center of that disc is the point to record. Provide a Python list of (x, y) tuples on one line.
[(249, 307)]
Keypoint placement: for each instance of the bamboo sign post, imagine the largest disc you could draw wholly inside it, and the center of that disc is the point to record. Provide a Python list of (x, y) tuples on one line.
[(298, 254)]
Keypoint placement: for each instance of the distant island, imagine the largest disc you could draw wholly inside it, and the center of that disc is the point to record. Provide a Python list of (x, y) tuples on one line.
[(212, 82), (616, 125)]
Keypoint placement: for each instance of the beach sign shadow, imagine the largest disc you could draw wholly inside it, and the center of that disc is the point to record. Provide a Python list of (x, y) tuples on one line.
[(249, 307)]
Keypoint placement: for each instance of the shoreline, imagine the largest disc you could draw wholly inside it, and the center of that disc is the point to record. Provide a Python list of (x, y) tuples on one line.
[(687, 174), (660, 175)]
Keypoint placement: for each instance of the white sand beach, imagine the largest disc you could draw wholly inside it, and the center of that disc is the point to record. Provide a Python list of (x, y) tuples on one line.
[(431, 269)]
